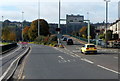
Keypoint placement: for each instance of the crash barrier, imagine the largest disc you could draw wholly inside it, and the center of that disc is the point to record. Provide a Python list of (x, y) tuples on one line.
[(8, 47), (83, 39)]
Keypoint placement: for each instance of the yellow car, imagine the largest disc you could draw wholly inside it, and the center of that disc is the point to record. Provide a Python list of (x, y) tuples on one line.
[(88, 48)]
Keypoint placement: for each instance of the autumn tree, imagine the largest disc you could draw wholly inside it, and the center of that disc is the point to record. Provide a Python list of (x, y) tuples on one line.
[(8, 34), (5, 33), (83, 31), (43, 28), (25, 33), (12, 36)]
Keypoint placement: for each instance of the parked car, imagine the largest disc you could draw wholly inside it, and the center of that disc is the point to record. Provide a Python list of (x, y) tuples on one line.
[(89, 48), (69, 42)]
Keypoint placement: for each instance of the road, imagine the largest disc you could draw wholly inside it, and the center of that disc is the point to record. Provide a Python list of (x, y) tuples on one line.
[(7, 58), (46, 62)]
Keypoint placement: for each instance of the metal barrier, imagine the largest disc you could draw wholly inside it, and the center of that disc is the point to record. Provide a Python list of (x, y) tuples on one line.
[(8, 47)]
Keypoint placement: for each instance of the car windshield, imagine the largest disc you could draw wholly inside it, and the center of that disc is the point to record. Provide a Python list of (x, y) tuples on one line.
[(90, 46)]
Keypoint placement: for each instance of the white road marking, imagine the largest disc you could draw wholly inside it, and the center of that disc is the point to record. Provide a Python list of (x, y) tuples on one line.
[(68, 60), (76, 51), (108, 69), (77, 55), (11, 53), (72, 55), (61, 57), (116, 57), (4, 74), (87, 60), (23, 77)]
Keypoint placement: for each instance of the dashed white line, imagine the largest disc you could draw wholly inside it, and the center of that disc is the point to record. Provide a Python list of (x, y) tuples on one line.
[(108, 69), (87, 60), (77, 55), (116, 57), (68, 60)]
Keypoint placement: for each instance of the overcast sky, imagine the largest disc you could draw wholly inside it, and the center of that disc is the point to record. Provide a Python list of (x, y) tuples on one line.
[(12, 9)]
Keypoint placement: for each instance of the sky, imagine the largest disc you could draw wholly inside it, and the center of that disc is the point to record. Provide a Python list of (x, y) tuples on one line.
[(12, 10)]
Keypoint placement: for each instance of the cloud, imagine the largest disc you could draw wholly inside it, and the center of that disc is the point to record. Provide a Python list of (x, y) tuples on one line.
[(49, 10)]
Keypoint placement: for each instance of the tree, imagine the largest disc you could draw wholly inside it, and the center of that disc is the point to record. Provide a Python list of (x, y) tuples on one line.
[(5, 33), (83, 32), (109, 35), (25, 33), (33, 31), (12, 36), (8, 34)]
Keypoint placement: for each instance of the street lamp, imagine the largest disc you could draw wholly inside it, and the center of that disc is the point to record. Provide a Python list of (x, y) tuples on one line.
[(38, 17), (1, 29), (106, 21), (22, 25), (59, 25)]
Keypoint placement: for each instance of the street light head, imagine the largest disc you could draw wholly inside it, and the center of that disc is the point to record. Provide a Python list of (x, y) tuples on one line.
[(107, 0)]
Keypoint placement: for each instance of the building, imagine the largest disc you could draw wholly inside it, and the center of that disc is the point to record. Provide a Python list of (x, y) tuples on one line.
[(115, 27), (74, 18), (119, 10)]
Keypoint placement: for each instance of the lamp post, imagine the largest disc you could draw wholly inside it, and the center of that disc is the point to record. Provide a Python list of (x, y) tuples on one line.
[(1, 29), (59, 25), (38, 17), (22, 25), (106, 21), (2, 23)]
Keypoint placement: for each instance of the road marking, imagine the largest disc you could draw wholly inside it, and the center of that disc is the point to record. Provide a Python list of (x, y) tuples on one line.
[(77, 55), (76, 51), (4, 74), (116, 57), (61, 57), (23, 77), (68, 60), (87, 60), (11, 53), (108, 69), (72, 55)]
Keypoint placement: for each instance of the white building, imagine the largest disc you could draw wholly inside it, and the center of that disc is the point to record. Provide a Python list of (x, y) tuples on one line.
[(119, 10), (115, 27)]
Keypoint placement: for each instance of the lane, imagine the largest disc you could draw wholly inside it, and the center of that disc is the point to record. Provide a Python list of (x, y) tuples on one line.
[(105, 57), (8, 58), (49, 63)]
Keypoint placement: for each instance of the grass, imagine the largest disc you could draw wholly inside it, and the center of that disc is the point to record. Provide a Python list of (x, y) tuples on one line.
[(3, 43)]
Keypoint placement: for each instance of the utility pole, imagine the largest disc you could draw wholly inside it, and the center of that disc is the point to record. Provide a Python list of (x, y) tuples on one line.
[(22, 25), (87, 15), (106, 21), (38, 17), (88, 32)]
